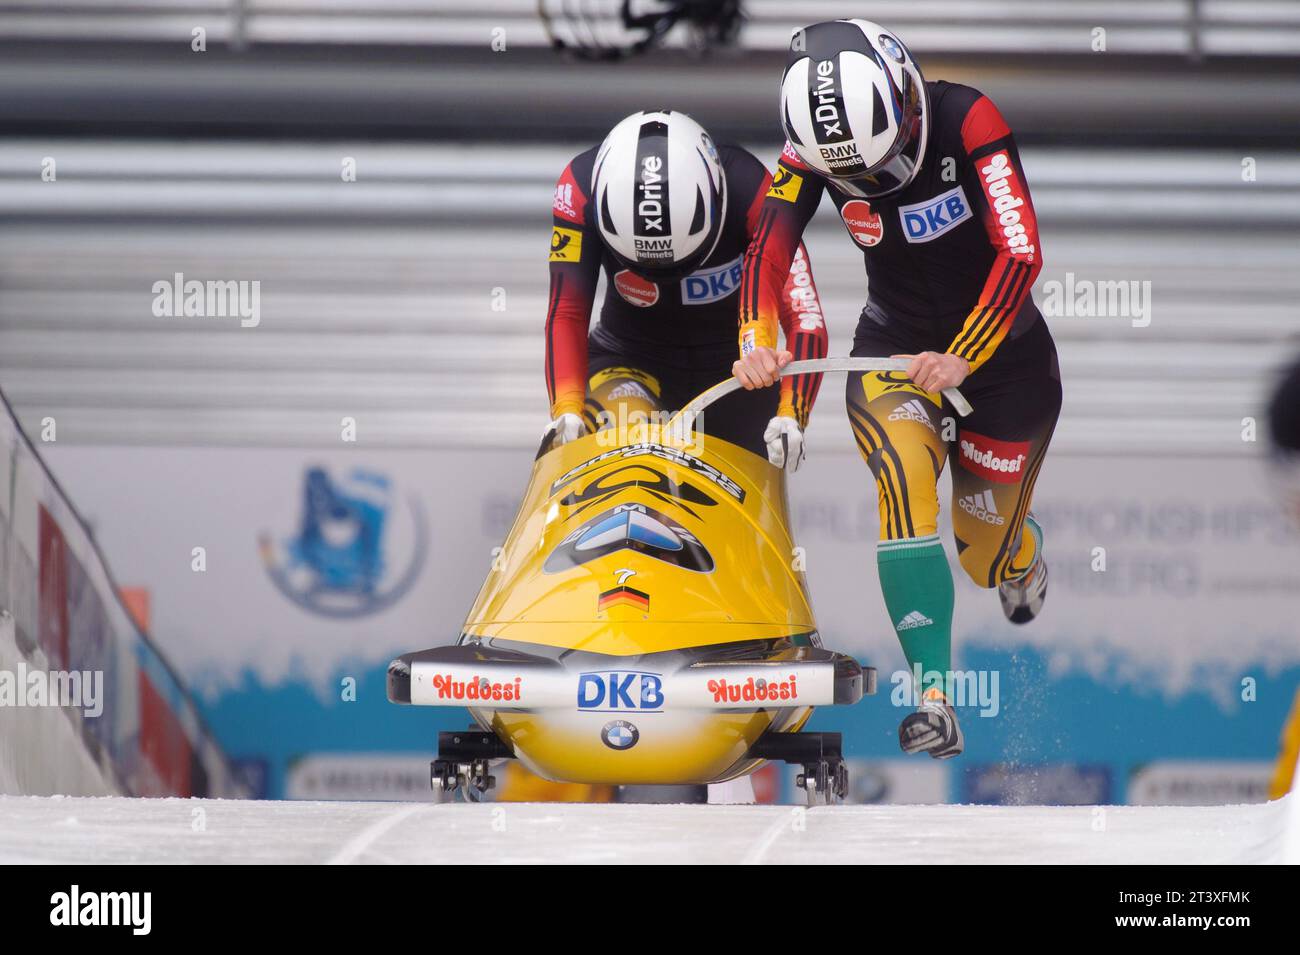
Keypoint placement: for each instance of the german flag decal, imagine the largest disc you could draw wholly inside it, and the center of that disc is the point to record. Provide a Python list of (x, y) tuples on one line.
[(623, 596)]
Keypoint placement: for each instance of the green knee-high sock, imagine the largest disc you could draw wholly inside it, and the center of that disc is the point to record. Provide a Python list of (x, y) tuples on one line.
[(917, 583)]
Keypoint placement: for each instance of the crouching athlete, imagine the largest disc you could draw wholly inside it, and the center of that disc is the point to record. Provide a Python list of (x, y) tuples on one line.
[(668, 215), (928, 182)]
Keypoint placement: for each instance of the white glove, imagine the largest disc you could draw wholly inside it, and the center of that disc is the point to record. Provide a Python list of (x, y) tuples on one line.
[(567, 427), (784, 440)]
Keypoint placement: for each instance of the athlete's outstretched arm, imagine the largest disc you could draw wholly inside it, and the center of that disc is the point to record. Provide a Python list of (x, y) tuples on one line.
[(1012, 227), (575, 270), (804, 325), (775, 227)]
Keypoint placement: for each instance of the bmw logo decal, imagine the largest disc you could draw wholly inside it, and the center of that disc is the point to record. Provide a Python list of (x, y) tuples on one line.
[(891, 47), (619, 734)]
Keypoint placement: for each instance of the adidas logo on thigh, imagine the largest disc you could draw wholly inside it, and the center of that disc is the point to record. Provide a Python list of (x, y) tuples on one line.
[(912, 410), (982, 507)]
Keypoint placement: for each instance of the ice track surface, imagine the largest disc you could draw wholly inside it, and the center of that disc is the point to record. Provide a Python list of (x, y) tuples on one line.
[(121, 830)]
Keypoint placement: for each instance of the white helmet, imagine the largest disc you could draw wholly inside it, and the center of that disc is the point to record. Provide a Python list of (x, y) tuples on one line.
[(854, 106), (660, 192)]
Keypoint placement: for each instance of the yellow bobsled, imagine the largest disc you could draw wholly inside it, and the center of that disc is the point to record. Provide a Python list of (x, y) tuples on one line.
[(647, 621)]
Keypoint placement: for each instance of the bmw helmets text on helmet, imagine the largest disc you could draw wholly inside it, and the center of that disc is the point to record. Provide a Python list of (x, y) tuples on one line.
[(660, 193), (854, 106)]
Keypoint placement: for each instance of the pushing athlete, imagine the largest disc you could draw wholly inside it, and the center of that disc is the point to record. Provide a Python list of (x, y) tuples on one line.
[(667, 215), (928, 182)]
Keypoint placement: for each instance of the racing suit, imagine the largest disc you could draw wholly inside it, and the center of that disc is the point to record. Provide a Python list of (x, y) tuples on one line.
[(950, 260), (660, 342)]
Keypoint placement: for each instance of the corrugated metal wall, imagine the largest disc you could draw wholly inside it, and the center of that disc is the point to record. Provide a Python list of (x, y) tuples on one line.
[(413, 298), (1216, 27)]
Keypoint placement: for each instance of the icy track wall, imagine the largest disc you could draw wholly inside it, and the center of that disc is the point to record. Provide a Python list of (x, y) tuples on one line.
[(128, 725)]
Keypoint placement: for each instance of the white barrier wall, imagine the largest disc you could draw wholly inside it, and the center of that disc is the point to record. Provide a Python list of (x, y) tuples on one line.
[(87, 704), (31, 734), (1161, 673)]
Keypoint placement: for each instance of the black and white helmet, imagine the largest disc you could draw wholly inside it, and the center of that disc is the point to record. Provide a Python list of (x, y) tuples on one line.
[(854, 106), (660, 192)]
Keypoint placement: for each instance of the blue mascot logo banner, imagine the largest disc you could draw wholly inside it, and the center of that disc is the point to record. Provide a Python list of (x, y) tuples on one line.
[(344, 560)]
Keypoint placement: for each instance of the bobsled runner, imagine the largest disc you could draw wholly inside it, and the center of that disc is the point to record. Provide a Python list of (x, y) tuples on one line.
[(647, 621)]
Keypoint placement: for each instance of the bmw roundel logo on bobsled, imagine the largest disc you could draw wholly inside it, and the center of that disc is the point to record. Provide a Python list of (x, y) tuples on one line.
[(357, 550), (642, 625), (620, 734)]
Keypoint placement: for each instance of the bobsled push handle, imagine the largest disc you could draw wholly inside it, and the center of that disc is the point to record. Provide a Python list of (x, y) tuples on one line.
[(685, 419)]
